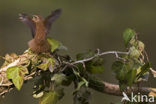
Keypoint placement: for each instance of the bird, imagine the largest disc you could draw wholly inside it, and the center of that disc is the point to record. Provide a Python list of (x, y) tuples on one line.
[(39, 28)]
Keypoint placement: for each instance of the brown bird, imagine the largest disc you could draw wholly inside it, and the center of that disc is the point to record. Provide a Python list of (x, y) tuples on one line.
[(39, 28)]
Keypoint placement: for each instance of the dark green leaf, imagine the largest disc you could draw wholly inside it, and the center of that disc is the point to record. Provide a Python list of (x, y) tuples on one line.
[(117, 66), (77, 74), (80, 84), (123, 86), (42, 82), (95, 66), (68, 80), (131, 75), (82, 96), (96, 69), (145, 68), (84, 55), (120, 69)]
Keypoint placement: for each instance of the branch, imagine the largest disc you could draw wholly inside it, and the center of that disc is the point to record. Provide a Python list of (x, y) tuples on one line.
[(113, 89), (116, 53), (103, 87)]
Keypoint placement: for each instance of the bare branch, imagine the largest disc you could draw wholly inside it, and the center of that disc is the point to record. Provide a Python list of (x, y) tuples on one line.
[(101, 54)]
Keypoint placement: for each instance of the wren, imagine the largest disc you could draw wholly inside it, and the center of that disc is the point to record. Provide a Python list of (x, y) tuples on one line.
[(39, 28)]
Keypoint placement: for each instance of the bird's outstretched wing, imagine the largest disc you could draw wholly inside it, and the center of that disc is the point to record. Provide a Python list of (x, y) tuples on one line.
[(28, 21), (51, 18)]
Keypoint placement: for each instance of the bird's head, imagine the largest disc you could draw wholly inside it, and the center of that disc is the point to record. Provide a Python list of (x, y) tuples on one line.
[(37, 18)]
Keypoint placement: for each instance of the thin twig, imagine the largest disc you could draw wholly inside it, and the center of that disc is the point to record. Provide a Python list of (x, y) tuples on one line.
[(101, 54)]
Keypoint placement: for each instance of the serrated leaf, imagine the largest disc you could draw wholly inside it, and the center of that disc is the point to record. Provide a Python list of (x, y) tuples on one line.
[(55, 44), (51, 97), (128, 35), (16, 74)]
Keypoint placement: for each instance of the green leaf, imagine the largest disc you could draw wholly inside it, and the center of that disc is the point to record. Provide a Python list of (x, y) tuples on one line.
[(134, 53), (117, 66), (128, 35), (95, 66), (84, 55), (16, 74), (58, 78), (131, 75), (77, 74), (96, 69), (141, 46), (51, 97), (80, 84), (47, 63), (43, 66), (120, 69), (55, 44)]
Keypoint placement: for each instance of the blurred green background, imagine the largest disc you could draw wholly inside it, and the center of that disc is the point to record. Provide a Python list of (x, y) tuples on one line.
[(83, 25)]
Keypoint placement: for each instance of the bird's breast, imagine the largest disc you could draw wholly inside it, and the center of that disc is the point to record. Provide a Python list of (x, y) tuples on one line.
[(40, 34)]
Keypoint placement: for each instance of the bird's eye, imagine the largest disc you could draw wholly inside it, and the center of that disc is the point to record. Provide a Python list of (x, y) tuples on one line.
[(35, 17)]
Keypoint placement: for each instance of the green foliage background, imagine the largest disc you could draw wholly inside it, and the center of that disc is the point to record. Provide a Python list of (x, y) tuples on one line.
[(84, 24)]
